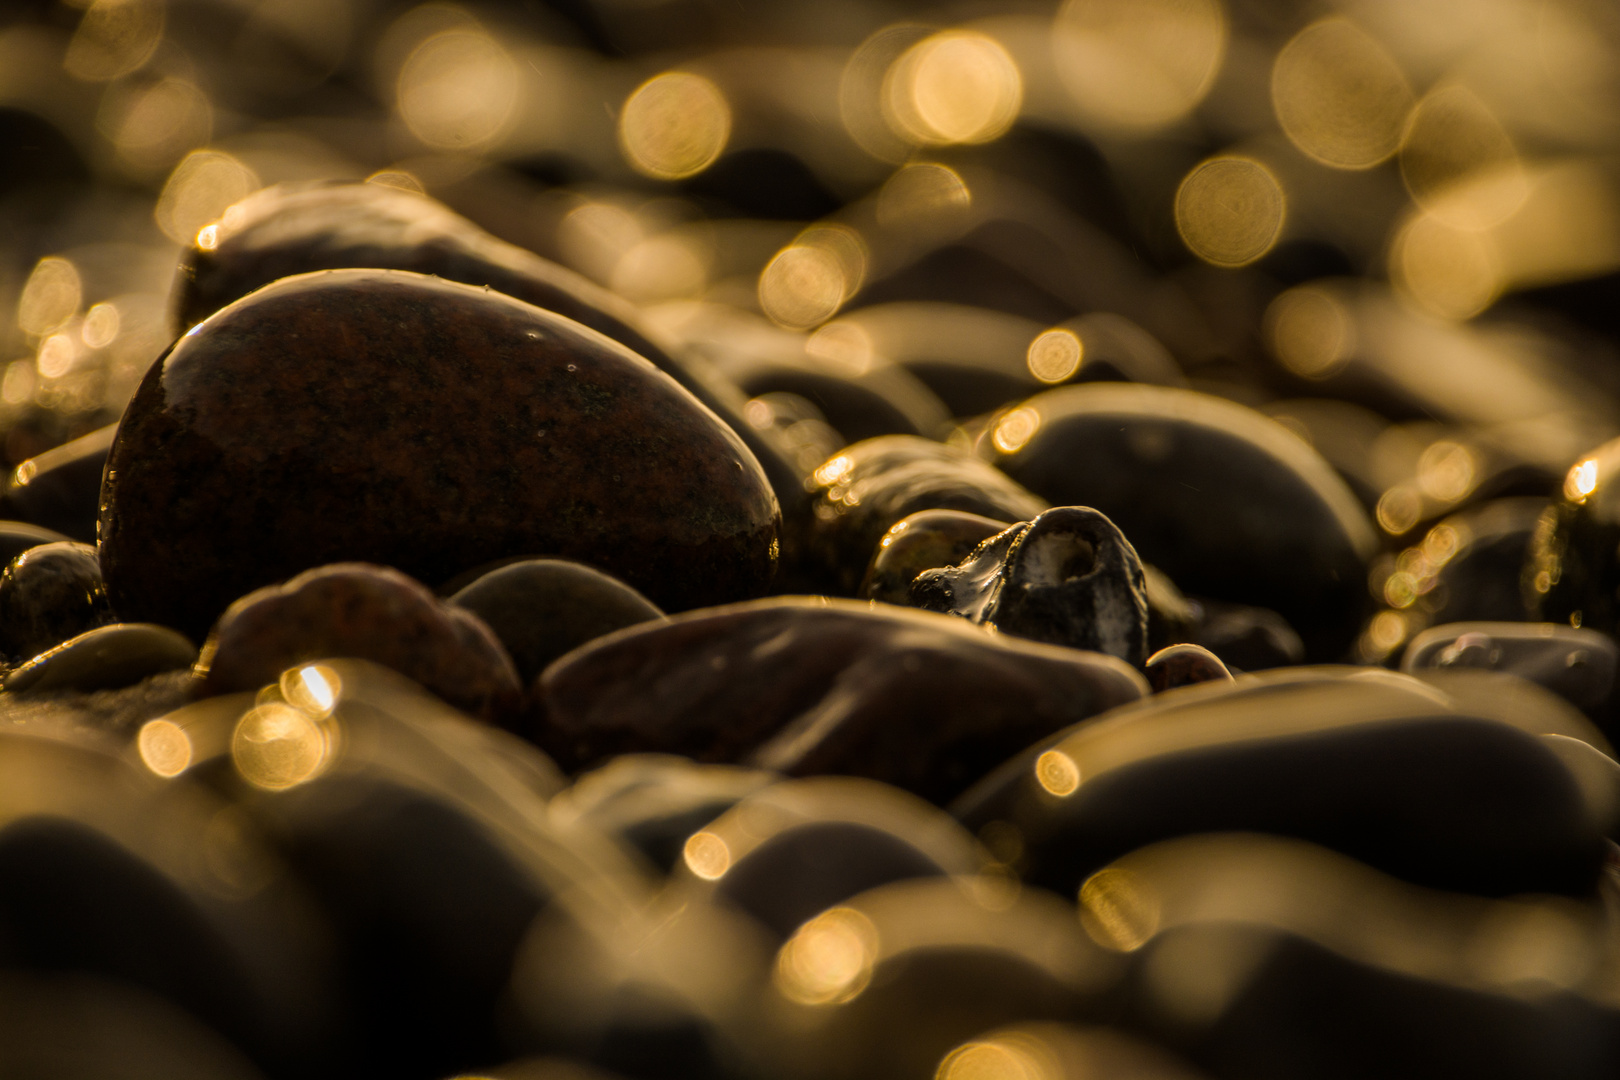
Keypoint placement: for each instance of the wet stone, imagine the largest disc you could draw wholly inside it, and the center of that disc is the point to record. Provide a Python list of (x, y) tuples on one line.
[(1578, 665), (369, 612), (17, 537), (106, 658), (1069, 577), (1183, 665), (392, 418), (542, 608), (49, 594), (808, 686), (923, 541), (61, 488), (863, 490)]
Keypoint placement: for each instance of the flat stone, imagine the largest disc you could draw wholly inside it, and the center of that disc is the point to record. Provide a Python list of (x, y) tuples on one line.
[(392, 418)]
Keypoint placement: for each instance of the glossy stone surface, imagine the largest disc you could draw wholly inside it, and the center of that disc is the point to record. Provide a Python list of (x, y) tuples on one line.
[(289, 229), (1577, 665), (17, 537), (866, 488), (792, 850), (1227, 502), (807, 686), (923, 541), (1183, 665), (48, 594), (387, 417), (542, 608), (1375, 765), (1572, 568), (1069, 577), (368, 612), (108, 657)]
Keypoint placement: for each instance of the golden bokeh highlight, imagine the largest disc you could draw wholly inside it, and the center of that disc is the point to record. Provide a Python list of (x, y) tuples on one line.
[(674, 125), (1118, 910), (1139, 64), (276, 746), (313, 688), (50, 297), (844, 343), (198, 192), (114, 38), (920, 192), (829, 960), (833, 470), (165, 748), (994, 1059), (1581, 481), (156, 125), (398, 179), (18, 386), (1310, 331), (806, 282), (1230, 210), (1399, 509), (1459, 163), (1447, 471), (1014, 430), (1055, 355), (669, 266), (458, 90), (57, 356), (706, 855), (958, 86), (1339, 95), (1057, 773), (101, 326), (1446, 271)]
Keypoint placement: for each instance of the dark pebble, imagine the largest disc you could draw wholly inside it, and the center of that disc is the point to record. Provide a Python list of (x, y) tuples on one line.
[(1183, 665), (49, 594), (923, 541), (387, 417), (106, 658)]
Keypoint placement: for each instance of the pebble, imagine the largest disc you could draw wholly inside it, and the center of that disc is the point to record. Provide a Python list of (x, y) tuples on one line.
[(923, 541), (388, 417), (542, 608), (369, 612), (1183, 665), (50, 593), (106, 658)]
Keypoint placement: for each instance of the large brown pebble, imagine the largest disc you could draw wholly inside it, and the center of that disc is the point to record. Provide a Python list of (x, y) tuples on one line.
[(369, 612), (809, 686), (392, 418)]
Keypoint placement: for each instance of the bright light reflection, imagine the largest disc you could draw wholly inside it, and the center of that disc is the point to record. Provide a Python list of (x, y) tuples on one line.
[(834, 470), (100, 327), (458, 90), (1458, 161), (829, 960), (674, 125), (277, 746), (954, 87), (202, 187), (1399, 509), (1118, 909), (1055, 355), (1014, 430), (1450, 272), (50, 297), (165, 748), (843, 343), (1310, 331), (995, 1059), (57, 356), (314, 688), (1230, 210), (1057, 773), (1447, 471), (707, 855), (1139, 64), (1339, 96), (1581, 481)]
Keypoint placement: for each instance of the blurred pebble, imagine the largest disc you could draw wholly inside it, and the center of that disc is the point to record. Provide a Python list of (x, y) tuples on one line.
[(1578, 665), (923, 541), (1183, 665), (542, 608), (368, 612), (106, 658), (48, 594)]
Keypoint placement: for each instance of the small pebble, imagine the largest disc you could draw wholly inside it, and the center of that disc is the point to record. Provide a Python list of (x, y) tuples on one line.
[(48, 594)]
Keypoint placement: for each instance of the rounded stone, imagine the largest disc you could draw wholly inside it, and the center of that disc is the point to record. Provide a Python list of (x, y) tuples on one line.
[(369, 612), (543, 608), (394, 418), (49, 594)]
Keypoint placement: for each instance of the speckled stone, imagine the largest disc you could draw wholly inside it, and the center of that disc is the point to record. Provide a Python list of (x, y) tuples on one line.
[(808, 686), (369, 612), (388, 417), (863, 490), (297, 228), (1069, 577), (48, 594), (542, 608)]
